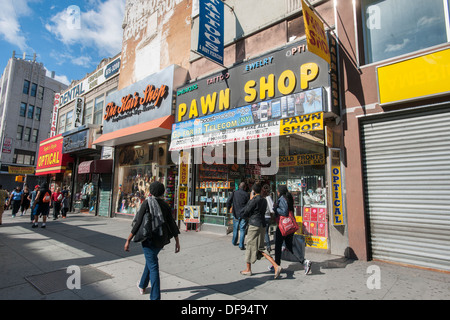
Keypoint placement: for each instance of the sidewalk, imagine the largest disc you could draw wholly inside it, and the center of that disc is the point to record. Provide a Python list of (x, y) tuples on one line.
[(34, 266)]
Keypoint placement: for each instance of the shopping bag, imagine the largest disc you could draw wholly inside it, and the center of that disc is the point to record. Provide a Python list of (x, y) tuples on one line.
[(288, 225), (298, 250), (298, 247)]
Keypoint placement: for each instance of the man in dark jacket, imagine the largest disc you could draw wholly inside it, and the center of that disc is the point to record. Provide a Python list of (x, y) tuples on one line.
[(237, 203)]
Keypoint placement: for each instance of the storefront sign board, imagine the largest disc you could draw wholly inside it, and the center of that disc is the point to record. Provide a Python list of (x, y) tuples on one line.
[(182, 201), (184, 168), (310, 101), (54, 121), (315, 33), (143, 101), (281, 73), (89, 83), (50, 156), (336, 188), (20, 170), (263, 130), (305, 123), (416, 78), (307, 159), (211, 30)]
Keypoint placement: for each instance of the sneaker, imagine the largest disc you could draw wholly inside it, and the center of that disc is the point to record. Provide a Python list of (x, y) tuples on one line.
[(307, 265), (43, 226), (35, 225)]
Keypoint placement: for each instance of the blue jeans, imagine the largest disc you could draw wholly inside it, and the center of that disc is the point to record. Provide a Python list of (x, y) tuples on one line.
[(267, 237), (239, 226), (151, 271)]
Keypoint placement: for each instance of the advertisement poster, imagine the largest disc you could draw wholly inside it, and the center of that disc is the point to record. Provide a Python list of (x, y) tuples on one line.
[(314, 226)]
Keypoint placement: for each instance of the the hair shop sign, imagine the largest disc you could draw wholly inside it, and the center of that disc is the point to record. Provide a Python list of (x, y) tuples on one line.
[(145, 100)]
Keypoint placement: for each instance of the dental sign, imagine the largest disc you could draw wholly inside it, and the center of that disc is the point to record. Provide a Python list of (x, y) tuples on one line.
[(279, 78), (210, 35), (87, 84)]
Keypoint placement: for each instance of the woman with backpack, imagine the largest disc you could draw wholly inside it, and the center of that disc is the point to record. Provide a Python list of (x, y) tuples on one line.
[(42, 205)]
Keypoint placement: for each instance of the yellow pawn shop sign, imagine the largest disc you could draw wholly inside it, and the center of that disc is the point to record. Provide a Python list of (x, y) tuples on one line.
[(315, 34)]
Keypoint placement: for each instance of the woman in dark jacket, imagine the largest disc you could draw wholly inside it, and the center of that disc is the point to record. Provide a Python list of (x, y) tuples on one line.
[(283, 206), (255, 211), (163, 229)]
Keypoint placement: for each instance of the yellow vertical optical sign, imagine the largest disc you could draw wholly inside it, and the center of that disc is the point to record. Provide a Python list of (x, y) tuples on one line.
[(336, 188), (315, 34)]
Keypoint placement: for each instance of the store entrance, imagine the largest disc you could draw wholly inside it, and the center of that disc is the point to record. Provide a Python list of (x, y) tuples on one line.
[(215, 184), (300, 166)]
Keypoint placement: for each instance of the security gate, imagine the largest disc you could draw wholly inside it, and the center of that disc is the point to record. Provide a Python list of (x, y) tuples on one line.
[(406, 166)]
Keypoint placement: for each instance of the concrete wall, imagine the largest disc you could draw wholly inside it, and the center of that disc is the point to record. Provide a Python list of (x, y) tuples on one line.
[(156, 34)]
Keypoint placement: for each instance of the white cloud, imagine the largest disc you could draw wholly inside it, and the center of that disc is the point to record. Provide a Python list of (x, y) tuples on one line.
[(10, 30), (60, 78), (396, 47), (61, 58), (99, 28)]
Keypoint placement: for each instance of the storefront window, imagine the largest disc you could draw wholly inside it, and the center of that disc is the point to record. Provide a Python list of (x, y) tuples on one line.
[(396, 27), (138, 166), (301, 167)]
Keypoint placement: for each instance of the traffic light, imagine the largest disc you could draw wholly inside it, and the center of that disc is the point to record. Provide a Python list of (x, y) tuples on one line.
[(20, 178)]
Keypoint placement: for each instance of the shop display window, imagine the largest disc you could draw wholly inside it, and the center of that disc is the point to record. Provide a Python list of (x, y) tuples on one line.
[(302, 170), (137, 167), (216, 182)]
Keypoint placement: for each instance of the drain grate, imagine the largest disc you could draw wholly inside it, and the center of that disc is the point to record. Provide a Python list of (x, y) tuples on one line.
[(55, 281)]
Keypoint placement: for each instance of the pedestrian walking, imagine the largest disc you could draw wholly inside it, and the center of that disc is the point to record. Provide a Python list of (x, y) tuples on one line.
[(56, 202), (269, 215), (42, 205), (236, 203), (3, 198), (25, 202), (255, 211), (32, 198), (160, 229), (15, 200), (65, 204), (283, 206)]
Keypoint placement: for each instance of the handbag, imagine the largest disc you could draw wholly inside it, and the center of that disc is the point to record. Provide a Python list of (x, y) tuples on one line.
[(145, 229), (288, 225)]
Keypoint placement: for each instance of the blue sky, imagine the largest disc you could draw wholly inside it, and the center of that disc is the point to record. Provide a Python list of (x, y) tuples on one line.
[(69, 37)]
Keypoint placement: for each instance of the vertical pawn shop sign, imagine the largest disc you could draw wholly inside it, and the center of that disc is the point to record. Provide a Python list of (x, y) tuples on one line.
[(315, 34)]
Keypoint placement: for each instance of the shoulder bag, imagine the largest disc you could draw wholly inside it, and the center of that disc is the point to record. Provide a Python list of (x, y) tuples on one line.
[(287, 225), (145, 229)]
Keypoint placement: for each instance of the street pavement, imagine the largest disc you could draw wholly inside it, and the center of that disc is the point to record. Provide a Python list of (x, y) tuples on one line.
[(206, 268)]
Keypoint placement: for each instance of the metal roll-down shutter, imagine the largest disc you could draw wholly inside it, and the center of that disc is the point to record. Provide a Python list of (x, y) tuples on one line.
[(406, 166)]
